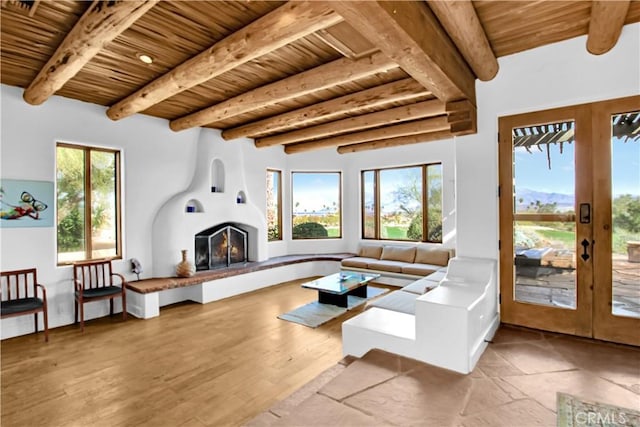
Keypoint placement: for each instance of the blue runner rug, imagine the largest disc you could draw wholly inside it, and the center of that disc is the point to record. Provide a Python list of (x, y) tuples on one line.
[(315, 314)]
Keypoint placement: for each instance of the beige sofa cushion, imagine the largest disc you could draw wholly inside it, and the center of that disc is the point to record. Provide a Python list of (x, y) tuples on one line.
[(385, 265), (356, 262), (420, 269), (427, 255), (398, 253), (370, 251)]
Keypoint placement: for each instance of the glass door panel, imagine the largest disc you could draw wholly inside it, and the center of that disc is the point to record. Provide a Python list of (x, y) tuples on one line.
[(625, 209), (544, 232)]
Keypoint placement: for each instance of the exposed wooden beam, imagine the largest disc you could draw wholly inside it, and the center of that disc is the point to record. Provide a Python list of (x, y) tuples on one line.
[(410, 34), (400, 90), (404, 129), (101, 23), (327, 75), (365, 121), (462, 117), (460, 20), (607, 19), (284, 25), (395, 142)]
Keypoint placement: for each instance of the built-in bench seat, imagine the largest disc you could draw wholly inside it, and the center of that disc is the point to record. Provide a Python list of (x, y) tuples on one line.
[(146, 296)]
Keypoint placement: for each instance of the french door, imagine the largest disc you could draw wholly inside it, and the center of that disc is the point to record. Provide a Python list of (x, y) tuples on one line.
[(570, 220)]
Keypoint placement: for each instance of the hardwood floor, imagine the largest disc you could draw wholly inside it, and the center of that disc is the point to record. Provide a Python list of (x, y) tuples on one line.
[(196, 365)]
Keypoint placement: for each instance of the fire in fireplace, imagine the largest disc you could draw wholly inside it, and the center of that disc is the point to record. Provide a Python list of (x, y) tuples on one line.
[(220, 246)]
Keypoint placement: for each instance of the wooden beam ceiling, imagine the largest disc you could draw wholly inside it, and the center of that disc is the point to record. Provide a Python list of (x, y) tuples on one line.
[(394, 142), (327, 75), (304, 74), (605, 26), (403, 129), (400, 90), (100, 24), (286, 24), (365, 121), (461, 22), (410, 34)]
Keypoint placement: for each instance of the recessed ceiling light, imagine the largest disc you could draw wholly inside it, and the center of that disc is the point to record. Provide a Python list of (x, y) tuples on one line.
[(145, 58)]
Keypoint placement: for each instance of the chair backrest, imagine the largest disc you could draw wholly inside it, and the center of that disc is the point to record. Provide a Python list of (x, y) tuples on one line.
[(18, 284), (93, 274)]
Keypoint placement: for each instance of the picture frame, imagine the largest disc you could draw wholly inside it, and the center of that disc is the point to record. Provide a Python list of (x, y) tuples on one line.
[(26, 203)]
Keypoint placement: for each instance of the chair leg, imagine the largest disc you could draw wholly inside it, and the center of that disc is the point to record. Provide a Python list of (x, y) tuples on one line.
[(75, 310), (81, 316), (46, 323), (35, 322), (124, 305), (110, 306)]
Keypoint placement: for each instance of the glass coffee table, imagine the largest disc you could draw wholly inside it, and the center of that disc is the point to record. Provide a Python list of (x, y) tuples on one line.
[(336, 288)]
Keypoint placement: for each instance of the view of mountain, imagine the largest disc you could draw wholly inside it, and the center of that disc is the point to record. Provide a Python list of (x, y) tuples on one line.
[(525, 196)]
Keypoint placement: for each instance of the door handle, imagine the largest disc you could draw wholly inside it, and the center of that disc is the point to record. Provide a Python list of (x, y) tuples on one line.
[(585, 244)]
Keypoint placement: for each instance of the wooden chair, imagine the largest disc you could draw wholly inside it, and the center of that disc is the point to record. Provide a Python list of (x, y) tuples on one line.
[(19, 296), (94, 280)]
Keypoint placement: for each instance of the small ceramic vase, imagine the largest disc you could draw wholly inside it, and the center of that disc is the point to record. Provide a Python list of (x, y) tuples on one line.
[(185, 268)]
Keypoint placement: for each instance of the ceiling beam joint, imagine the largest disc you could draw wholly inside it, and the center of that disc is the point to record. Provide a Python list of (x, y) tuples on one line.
[(410, 34)]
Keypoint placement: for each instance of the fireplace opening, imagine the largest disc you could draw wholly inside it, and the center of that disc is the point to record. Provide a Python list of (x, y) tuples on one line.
[(220, 246)]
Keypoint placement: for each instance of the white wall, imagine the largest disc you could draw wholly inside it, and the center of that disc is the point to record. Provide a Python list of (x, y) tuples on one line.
[(154, 160), (560, 74)]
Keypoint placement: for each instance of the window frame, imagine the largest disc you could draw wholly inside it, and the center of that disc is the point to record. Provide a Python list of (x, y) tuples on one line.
[(279, 206), (339, 173), (376, 191), (88, 250)]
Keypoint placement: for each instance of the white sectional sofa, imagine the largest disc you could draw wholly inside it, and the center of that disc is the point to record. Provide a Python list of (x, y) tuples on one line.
[(445, 318)]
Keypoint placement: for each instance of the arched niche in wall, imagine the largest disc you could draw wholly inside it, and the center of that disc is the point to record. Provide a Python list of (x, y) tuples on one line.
[(241, 198), (193, 206), (217, 176)]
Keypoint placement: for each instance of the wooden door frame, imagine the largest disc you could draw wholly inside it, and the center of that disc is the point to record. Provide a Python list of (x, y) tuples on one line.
[(592, 317), (570, 321), (606, 326)]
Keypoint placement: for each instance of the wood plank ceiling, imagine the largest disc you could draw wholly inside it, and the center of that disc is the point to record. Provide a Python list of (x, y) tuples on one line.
[(306, 75)]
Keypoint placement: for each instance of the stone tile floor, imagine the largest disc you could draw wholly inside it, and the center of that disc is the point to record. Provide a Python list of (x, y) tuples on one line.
[(514, 384)]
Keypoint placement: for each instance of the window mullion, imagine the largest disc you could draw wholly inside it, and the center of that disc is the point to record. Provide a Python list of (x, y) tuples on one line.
[(87, 204), (376, 205), (425, 203), (118, 213)]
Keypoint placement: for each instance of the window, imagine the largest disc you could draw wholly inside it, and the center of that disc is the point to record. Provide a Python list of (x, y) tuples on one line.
[(274, 205), (316, 205), (395, 202), (88, 203)]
